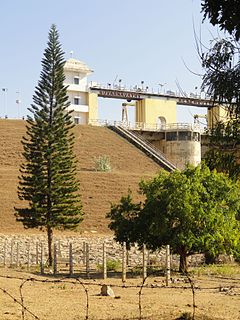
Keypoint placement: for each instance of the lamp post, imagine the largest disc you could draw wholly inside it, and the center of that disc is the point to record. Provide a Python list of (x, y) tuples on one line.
[(18, 101), (4, 90), (161, 86)]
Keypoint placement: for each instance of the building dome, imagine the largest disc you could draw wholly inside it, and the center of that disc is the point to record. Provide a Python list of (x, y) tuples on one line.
[(77, 65)]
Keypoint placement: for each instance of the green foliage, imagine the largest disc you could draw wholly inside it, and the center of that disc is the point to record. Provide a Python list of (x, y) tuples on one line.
[(222, 72), (225, 270), (102, 163), (112, 265), (223, 153), (193, 211), (47, 183), (224, 13)]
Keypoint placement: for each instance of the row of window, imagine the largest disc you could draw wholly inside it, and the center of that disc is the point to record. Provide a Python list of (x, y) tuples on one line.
[(182, 136)]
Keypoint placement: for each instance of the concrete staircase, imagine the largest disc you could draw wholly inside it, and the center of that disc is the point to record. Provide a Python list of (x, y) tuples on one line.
[(145, 146)]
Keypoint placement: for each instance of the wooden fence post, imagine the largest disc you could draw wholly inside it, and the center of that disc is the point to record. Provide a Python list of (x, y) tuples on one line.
[(42, 258), (168, 266), (104, 261), (87, 259), (124, 265), (54, 259), (144, 252), (70, 259)]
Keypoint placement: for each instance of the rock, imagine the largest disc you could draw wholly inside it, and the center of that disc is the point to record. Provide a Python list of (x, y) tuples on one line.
[(107, 291)]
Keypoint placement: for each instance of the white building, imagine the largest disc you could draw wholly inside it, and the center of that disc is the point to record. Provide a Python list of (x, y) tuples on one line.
[(76, 73)]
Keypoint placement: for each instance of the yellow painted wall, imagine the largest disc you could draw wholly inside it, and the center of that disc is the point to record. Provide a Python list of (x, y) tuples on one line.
[(148, 111), (93, 106), (216, 114)]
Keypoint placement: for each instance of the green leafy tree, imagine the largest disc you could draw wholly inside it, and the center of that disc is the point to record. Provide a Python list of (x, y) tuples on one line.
[(224, 154), (192, 211), (222, 82), (47, 182), (224, 13)]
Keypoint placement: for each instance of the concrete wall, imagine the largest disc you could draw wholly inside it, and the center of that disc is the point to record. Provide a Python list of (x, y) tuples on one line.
[(149, 111), (93, 106), (216, 114), (181, 153)]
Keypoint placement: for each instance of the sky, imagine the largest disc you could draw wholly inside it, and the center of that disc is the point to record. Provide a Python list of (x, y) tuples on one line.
[(133, 40)]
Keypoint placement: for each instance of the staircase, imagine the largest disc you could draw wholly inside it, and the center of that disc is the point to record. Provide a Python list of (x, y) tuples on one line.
[(145, 146)]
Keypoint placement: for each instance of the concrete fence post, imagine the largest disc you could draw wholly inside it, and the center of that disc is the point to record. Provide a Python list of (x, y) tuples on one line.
[(124, 260), (37, 253), (70, 259), (87, 259), (42, 259), (144, 252), (11, 254), (104, 261), (168, 265), (28, 256), (5, 254), (54, 259), (84, 253), (17, 258)]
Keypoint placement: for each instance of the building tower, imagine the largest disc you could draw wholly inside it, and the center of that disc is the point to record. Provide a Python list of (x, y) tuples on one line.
[(76, 73)]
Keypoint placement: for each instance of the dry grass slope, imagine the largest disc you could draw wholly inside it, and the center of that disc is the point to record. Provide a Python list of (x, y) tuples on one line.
[(98, 189)]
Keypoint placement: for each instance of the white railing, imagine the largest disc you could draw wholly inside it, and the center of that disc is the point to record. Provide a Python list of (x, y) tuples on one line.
[(148, 126)]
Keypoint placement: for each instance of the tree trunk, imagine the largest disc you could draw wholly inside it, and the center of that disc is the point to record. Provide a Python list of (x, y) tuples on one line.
[(183, 267), (50, 237)]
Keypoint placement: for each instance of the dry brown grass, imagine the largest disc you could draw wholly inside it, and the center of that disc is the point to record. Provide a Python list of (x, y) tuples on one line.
[(98, 189), (68, 300)]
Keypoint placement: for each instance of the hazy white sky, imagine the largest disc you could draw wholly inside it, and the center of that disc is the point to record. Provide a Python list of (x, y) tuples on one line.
[(135, 40)]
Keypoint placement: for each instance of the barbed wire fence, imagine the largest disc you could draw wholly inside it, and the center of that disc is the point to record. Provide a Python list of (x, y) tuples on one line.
[(70, 275), (85, 285)]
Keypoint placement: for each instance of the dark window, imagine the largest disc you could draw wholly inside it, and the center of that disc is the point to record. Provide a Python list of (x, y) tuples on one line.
[(184, 135), (76, 80), (171, 136), (76, 101)]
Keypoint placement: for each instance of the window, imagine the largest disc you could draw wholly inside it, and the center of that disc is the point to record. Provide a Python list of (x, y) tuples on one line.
[(184, 135), (196, 136), (76, 100), (171, 136), (76, 80)]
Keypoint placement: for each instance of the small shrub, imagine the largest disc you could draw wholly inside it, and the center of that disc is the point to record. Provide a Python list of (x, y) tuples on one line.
[(112, 265), (185, 316), (102, 163)]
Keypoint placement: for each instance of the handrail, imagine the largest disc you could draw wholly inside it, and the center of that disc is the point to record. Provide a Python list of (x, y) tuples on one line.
[(156, 151), (146, 146), (147, 126)]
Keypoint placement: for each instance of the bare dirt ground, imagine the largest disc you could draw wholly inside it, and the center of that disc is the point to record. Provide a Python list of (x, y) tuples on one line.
[(67, 299), (98, 189)]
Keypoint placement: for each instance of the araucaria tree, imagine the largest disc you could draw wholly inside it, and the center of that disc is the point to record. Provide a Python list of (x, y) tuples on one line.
[(193, 211), (48, 181)]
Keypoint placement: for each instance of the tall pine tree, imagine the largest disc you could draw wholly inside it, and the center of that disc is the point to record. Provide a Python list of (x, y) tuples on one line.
[(48, 175)]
